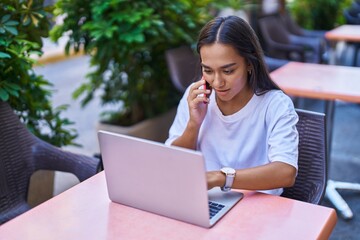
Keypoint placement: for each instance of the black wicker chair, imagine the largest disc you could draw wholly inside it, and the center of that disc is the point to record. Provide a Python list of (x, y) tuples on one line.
[(315, 39), (280, 43), (352, 17), (21, 154), (295, 29), (311, 180), (184, 67)]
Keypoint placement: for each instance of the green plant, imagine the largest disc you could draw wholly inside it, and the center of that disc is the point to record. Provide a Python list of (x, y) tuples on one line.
[(22, 26), (319, 14), (127, 41)]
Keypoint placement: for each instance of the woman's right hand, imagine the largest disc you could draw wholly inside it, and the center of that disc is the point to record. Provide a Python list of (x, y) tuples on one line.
[(198, 102)]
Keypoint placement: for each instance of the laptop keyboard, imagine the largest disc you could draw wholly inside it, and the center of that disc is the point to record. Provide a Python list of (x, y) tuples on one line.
[(214, 208)]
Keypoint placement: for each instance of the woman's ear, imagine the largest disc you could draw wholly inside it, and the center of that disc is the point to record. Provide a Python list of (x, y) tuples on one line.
[(249, 68)]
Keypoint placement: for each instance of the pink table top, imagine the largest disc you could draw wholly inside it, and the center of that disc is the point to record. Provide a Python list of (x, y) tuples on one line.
[(85, 212), (327, 82), (349, 33)]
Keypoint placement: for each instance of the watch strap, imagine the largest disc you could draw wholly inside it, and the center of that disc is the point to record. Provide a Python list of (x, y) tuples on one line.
[(229, 179)]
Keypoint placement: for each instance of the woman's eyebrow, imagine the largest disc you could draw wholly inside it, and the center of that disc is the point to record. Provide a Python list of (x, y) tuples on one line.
[(225, 66), (228, 65)]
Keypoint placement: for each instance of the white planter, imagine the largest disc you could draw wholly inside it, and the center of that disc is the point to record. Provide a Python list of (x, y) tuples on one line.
[(156, 129)]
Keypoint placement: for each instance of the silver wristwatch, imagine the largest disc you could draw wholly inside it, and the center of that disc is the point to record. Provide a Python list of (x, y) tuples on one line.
[(229, 178)]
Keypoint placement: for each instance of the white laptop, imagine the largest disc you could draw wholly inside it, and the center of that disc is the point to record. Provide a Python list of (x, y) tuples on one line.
[(166, 180)]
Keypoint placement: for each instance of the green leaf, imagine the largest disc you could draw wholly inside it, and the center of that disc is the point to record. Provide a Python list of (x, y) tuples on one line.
[(62, 107), (12, 92), (4, 96), (4, 55), (12, 86), (79, 91), (11, 23), (12, 30), (5, 18), (3, 42), (139, 38), (26, 20)]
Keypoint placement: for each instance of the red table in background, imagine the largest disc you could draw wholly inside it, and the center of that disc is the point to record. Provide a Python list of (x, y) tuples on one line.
[(85, 212), (330, 83), (346, 33), (319, 81), (350, 33)]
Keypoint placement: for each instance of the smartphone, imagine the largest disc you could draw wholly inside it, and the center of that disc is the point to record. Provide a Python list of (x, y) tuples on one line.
[(207, 86)]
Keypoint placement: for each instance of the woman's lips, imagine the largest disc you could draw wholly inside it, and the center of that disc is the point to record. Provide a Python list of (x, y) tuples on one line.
[(222, 92)]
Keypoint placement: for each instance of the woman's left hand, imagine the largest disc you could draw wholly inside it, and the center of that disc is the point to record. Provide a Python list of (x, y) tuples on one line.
[(215, 179)]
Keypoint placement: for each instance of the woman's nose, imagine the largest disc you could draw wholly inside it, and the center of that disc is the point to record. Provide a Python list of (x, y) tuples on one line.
[(218, 81)]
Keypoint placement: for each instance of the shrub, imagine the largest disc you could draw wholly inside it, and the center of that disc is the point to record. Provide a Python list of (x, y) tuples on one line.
[(23, 24), (127, 41), (319, 14)]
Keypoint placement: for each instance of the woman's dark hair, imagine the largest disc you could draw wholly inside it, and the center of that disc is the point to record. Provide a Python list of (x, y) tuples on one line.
[(236, 32)]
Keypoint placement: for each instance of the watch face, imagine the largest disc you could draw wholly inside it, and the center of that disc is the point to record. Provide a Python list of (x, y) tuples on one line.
[(228, 170)]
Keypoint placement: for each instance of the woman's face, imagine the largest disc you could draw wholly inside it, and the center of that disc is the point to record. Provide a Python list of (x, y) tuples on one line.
[(226, 71)]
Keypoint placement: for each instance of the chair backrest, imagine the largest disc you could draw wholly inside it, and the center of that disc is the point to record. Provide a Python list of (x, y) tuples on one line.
[(290, 24), (16, 164), (272, 34), (272, 29), (21, 154), (279, 42), (311, 180), (184, 67), (352, 16)]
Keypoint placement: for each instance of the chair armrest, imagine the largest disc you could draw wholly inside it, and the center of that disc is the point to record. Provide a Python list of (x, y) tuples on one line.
[(311, 42), (274, 63), (314, 33), (49, 157), (288, 49)]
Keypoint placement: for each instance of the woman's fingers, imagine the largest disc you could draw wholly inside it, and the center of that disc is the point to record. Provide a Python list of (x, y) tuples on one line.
[(198, 92)]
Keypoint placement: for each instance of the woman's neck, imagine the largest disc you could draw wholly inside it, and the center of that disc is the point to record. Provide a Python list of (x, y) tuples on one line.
[(237, 103)]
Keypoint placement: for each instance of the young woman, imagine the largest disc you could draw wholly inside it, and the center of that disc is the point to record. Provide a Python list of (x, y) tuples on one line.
[(243, 124)]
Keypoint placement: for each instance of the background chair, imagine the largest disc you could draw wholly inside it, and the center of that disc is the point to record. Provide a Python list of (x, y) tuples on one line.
[(295, 29), (352, 14), (184, 67), (352, 17), (21, 154), (310, 182), (313, 38), (279, 43)]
